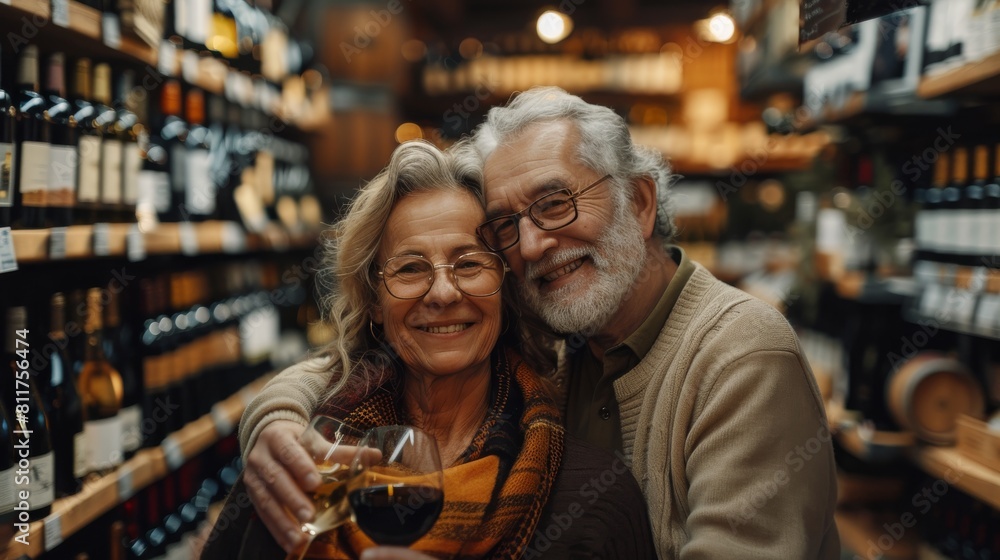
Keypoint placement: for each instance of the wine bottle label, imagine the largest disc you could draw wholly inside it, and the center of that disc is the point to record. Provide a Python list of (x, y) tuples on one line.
[(81, 460), (131, 427), (7, 491), (131, 166), (111, 171), (104, 438), (154, 190), (6, 174), (200, 18), (62, 175), (992, 242), (200, 197), (41, 481), (920, 229), (34, 173), (964, 234), (181, 17), (89, 179)]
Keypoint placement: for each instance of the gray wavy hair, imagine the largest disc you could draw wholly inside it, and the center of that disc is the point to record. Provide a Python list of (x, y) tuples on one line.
[(347, 280), (605, 143)]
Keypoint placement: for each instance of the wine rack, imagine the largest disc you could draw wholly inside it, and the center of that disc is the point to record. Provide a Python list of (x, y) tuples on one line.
[(74, 513)]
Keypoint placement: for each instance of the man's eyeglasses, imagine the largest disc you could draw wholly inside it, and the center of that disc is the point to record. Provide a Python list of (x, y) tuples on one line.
[(555, 210), (478, 274)]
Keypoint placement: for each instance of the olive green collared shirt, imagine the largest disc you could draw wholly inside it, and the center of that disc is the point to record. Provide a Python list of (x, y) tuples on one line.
[(592, 410)]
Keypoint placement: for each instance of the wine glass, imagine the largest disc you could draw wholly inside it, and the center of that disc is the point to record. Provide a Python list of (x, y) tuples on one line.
[(331, 444), (396, 494)]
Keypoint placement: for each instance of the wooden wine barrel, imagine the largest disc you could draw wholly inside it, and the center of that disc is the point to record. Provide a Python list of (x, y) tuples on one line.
[(929, 392)]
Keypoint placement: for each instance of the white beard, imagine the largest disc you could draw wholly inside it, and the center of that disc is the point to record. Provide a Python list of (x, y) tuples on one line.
[(618, 258)]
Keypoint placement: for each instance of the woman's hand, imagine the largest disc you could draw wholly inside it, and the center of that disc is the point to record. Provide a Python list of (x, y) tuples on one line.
[(393, 553), (278, 474)]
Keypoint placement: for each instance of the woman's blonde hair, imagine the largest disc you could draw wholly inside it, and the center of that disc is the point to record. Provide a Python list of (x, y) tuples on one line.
[(347, 278)]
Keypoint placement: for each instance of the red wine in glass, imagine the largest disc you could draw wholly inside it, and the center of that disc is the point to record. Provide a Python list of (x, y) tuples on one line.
[(396, 514)]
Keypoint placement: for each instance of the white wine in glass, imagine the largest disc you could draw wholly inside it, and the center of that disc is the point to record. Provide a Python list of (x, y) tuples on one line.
[(331, 443)]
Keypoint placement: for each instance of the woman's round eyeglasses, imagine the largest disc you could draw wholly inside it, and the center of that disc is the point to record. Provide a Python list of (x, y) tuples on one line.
[(477, 274)]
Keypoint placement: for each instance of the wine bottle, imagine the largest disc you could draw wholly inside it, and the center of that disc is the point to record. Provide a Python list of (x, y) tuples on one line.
[(65, 407), (219, 158), (990, 231), (951, 205), (173, 133), (931, 247), (101, 390), (111, 145), (129, 128), (33, 136), (32, 439), (88, 181), (7, 153), (8, 463), (152, 365), (154, 175), (972, 207), (199, 200), (119, 341), (62, 152)]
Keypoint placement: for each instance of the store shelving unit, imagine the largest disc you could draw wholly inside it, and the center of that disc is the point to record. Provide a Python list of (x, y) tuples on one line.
[(979, 77), (148, 466)]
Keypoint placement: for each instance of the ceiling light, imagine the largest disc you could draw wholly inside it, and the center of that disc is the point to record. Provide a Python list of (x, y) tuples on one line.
[(721, 28), (553, 26)]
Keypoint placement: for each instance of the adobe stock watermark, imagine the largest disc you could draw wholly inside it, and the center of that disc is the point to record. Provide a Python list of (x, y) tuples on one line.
[(922, 502), (550, 531), (365, 34), (763, 491), (881, 201), (746, 169), (456, 119)]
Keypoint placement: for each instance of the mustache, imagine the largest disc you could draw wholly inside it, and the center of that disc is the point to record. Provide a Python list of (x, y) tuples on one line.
[(535, 270)]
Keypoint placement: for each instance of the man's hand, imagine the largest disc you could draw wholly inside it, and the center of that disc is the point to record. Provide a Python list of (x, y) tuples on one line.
[(278, 474), (393, 553)]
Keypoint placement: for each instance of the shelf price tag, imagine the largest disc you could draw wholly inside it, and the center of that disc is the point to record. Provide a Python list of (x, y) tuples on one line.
[(111, 29), (167, 61), (189, 239), (53, 531), (173, 453), (57, 243), (60, 12), (102, 240), (8, 260), (223, 426), (234, 240), (125, 487), (189, 66), (135, 244)]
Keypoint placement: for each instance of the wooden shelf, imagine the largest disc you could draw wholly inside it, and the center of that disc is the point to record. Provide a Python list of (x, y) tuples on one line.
[(860, 531), (971, 477), (83, 34), (73, 513), (980, 77), (121, 240)]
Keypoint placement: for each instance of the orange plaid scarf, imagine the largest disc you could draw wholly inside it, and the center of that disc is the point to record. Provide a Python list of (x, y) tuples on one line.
[(494, 496)]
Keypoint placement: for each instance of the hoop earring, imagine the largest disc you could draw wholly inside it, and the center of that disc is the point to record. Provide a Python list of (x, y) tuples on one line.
[(371, 329)]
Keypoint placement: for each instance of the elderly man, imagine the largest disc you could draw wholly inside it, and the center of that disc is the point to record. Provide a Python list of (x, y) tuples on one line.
[(701, 388)]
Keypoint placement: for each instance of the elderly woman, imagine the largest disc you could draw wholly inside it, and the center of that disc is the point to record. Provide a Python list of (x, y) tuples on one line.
[(422, 338)]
